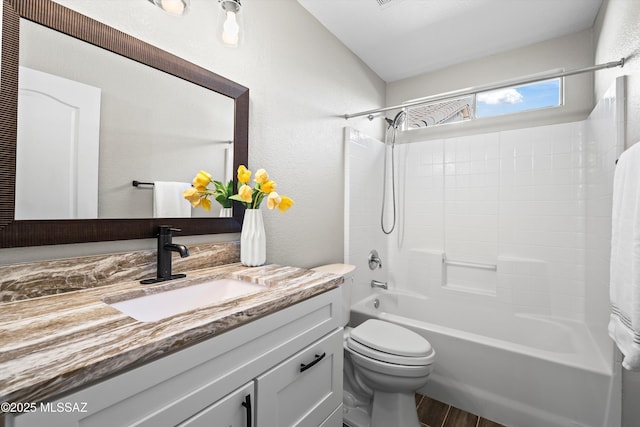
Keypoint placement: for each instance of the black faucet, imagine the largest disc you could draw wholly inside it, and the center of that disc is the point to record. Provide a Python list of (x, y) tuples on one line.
[(165, 247)]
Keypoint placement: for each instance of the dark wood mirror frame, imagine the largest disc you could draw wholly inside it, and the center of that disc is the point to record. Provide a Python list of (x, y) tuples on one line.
[(52, 232)]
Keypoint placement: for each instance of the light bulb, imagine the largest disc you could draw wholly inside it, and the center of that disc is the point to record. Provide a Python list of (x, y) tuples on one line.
[(231, 29), (174, 7)]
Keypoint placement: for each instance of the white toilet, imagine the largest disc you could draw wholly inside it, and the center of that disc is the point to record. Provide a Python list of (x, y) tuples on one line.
[(384, 364)]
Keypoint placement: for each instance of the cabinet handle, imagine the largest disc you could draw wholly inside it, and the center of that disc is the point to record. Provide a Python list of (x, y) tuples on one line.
[(247, 405), (318, 358)]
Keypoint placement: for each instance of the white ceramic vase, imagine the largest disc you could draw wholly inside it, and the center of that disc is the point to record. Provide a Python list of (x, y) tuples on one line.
[(226, 212), (253, 241)]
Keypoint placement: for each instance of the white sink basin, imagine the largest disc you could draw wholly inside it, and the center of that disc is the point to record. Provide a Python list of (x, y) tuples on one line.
[(150, 308)]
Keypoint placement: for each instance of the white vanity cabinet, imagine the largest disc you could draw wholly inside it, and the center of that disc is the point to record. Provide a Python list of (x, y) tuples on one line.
[(254, 369)]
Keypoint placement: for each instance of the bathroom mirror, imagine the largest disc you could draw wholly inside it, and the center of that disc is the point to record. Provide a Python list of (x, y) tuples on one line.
[(24, 18)]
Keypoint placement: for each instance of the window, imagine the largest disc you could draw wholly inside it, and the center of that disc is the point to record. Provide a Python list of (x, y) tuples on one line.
[(514, 99)]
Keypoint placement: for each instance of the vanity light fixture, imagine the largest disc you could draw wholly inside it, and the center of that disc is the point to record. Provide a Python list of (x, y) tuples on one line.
[(174, 7), (230, 28)]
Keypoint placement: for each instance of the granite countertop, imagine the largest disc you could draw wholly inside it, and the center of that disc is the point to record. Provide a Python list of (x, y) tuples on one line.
[(53, 344)]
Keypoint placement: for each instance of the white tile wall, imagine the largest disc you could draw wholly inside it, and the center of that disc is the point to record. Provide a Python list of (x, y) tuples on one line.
[(512, 194)]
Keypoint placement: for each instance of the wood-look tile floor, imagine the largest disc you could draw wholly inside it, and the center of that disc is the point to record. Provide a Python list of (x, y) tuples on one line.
[(433, 413)]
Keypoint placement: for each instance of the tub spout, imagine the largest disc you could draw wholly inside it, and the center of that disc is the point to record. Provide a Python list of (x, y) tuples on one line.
[(377, 284)]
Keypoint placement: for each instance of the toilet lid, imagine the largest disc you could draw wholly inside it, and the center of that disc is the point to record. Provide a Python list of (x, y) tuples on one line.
[(354, 347), (389, 338)]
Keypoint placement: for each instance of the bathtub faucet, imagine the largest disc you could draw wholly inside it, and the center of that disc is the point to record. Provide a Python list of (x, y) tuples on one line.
[(377, 284), (374, 260)]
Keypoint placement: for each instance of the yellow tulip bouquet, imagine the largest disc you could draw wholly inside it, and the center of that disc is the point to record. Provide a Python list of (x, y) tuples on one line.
[(199, 194), (251, 198)]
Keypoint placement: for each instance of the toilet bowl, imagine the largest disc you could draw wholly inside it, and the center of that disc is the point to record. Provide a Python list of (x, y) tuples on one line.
[(384, 364)]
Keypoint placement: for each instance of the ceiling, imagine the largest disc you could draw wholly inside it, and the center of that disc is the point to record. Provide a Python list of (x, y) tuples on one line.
[(403, 38)]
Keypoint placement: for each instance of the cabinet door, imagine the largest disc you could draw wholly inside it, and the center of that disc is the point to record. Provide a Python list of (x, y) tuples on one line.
[(305, 389), (234, 410)]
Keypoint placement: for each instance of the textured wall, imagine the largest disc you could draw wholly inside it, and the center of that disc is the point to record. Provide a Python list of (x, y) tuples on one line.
[(617, 35)]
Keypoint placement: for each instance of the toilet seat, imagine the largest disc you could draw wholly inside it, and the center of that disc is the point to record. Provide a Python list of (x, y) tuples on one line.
[(390, 343), (398, 371)]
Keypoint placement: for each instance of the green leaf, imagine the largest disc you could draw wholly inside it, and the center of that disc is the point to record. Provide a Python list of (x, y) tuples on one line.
[(224, 201)]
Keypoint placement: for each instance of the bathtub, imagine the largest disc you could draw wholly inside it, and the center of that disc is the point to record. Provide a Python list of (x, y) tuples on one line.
[(518, 370)]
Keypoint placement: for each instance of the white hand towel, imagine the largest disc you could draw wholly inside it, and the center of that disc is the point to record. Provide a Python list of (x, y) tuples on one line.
[(168, 201), (624, 323)]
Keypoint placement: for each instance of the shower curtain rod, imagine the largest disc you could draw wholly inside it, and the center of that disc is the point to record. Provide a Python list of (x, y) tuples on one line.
[(485, 88)]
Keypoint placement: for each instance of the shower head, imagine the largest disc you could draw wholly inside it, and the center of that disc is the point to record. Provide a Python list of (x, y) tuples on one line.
[(398, 120)]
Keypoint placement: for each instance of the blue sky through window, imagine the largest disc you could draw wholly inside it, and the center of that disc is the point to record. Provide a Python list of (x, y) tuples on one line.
[(518, 98)]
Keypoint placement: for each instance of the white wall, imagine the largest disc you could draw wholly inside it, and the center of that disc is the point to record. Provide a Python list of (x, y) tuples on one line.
[(301, 80), (617, 35)]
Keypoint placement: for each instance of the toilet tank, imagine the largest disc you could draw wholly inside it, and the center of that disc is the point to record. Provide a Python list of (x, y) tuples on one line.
[(346, 271)]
